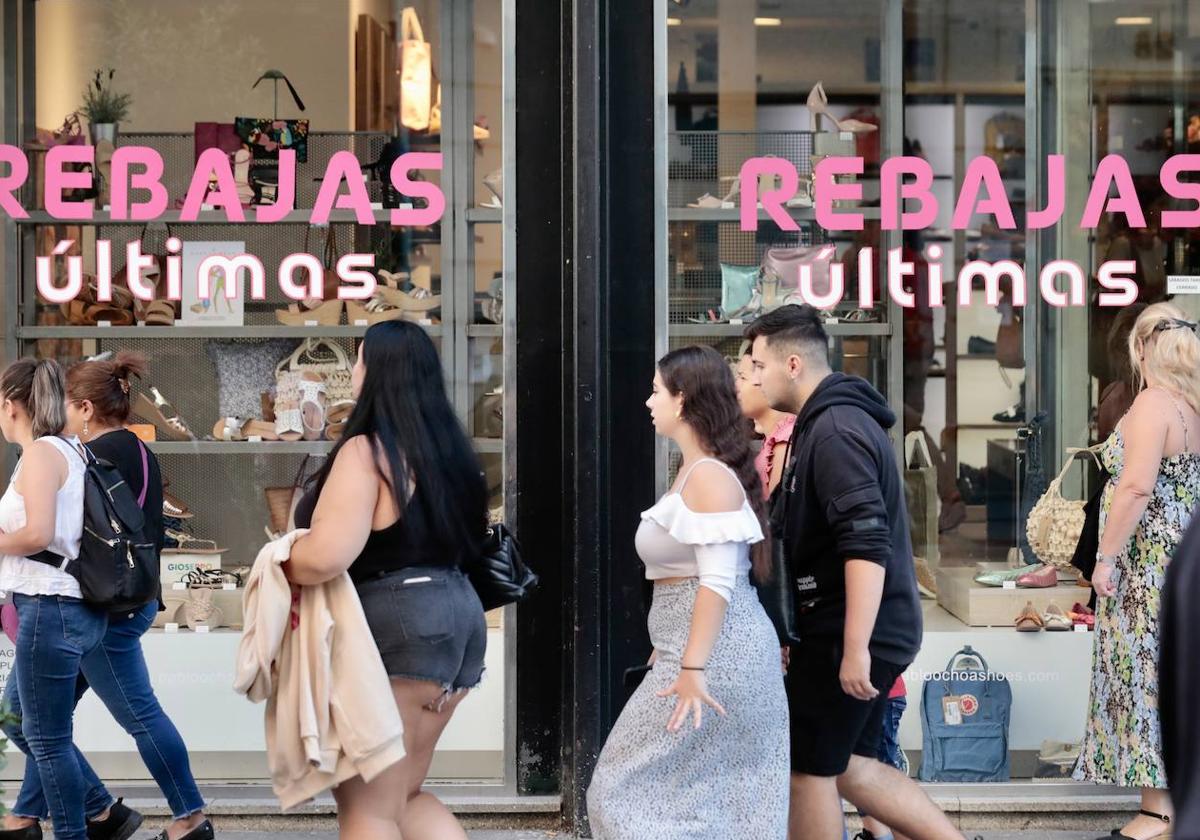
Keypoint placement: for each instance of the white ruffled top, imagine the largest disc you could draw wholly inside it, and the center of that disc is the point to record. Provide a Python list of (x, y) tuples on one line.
[(676, 541)]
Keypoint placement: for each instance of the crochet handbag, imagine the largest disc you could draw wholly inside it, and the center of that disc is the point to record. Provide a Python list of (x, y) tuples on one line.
[(1055, 523)]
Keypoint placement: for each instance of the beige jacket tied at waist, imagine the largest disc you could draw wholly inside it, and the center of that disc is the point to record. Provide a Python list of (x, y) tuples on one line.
[(330, 711)]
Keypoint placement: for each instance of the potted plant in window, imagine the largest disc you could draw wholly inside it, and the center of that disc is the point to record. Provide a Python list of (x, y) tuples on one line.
[(104, 107)]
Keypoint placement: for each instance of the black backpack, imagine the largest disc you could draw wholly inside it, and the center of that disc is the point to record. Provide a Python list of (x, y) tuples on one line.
[(118, 565)]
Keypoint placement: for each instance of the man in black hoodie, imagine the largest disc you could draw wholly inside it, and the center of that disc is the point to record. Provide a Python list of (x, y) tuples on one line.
[(841, 515)]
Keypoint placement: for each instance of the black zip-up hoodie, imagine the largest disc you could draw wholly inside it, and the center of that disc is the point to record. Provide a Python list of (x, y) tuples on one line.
[(842, 498)]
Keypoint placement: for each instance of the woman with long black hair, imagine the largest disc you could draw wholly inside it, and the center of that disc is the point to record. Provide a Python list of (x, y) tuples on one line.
[(401, 505), (666, 771)]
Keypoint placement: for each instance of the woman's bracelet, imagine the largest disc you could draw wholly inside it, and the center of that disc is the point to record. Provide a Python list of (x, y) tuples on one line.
[(689, 668), (1107, 559)]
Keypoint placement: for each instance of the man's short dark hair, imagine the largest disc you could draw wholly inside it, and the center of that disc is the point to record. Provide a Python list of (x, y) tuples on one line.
[(801, 329)]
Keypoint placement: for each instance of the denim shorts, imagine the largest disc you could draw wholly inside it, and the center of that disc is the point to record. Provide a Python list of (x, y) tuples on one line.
[(428, 624)]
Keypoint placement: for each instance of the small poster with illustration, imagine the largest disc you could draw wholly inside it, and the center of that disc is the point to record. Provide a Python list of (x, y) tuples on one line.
[(217, 310)]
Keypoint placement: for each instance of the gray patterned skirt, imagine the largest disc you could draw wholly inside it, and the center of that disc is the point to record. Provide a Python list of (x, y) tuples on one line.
[(727, 780)]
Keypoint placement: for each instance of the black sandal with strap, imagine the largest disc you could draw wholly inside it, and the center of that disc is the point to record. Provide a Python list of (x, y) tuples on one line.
[(1117, 834)]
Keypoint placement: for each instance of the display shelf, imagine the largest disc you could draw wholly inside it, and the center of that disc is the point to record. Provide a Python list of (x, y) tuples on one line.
[(278, 447), (734, 214), (485, 215), (485, 330), (241, 447), (728, 330), (180, 332)]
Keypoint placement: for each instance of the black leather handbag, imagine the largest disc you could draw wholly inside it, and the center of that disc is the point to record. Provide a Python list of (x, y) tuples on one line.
[(778, 592), (499, 576)]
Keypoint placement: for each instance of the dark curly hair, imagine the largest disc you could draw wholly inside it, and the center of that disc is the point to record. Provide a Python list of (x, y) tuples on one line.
[(710, 407)]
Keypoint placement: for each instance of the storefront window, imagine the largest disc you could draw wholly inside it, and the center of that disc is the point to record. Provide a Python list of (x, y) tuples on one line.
[(322, 79), (993, 392)]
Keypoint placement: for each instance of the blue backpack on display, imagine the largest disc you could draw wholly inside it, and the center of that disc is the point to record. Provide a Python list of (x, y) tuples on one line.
[(965, 713)]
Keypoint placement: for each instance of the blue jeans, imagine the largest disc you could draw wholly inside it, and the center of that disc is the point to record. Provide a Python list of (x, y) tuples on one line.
[(117, 672), (56, 633)]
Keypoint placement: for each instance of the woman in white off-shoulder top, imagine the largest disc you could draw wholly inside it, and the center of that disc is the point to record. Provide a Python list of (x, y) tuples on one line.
[(701, 748)]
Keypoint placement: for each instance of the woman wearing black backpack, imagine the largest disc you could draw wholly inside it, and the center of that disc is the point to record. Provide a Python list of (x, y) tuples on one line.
[(97, 408), (42, 509)]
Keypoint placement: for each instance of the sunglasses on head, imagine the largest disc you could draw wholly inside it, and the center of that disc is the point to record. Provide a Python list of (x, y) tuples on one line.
[(1176, 324)]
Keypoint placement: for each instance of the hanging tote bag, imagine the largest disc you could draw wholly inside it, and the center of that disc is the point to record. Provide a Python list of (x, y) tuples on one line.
[(1055, 524), (920, 491), (416, 73)]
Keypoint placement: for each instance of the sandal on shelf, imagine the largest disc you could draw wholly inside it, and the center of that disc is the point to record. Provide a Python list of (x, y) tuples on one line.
[(339, 412), (326, 314), (375, 311), (419, 300), (707, 202), (334, 431), (312, 405), (187, 544), (235, 428), (174, 508), (111, 315), (76, 313), (289, 422), (158, 313), (1029, 621), (163, 415)]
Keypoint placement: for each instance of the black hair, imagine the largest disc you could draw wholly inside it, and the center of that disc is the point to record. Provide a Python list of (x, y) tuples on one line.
[(801, 327), (404, 412)]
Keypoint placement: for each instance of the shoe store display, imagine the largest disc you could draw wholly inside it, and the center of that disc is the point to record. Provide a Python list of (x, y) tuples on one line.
[(1082, 615), (1013, 414), (1044, 578), (1055, 619), (978, 346), (1029, 620), (1001, 576)]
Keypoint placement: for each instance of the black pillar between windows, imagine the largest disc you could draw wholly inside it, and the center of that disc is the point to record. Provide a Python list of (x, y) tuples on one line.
[(585, 356)]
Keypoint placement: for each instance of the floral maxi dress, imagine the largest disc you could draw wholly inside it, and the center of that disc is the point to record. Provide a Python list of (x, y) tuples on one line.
[(1122, 744)]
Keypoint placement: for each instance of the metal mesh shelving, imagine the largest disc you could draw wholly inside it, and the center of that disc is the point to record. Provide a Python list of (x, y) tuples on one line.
[(702, 162)]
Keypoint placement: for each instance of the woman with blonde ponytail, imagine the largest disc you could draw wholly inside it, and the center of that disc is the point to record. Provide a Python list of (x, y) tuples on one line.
[(42, 509), (1153, 456)]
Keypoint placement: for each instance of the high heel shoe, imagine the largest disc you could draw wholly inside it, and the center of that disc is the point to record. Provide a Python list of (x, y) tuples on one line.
[(1117, 834), (818, 106)]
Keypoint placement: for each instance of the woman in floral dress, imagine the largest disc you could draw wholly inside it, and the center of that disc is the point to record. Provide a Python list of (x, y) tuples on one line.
[(1154, 459)]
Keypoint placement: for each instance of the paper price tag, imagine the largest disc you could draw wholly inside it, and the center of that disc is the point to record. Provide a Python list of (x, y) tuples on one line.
[(311, 323), (376, 205), (104, 323), (1081, 628), (179, 587), (737, 322), (254, 439), (202, 628), (951, 711), (426, 322), (1010, 584), (171, 627), (361, 322), (229, 587)]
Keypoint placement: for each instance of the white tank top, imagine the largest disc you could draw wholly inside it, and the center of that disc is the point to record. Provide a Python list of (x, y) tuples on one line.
[(29, 577)]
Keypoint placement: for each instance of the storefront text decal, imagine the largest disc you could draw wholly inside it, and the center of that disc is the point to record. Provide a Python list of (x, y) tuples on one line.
[(911, 178), (212, 187)]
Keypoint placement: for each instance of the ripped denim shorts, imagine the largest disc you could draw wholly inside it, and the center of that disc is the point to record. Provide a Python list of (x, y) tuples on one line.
[(428, 624)]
